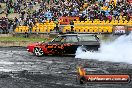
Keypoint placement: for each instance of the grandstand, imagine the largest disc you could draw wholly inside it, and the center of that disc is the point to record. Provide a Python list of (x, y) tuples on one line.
[(42, 16)]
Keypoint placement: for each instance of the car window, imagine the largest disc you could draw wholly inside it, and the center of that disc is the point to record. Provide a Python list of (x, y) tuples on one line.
[(87, 38), (71, 39), (60, 39)]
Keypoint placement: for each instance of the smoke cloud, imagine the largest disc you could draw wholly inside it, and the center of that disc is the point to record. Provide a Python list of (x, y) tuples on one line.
[(119, 50)]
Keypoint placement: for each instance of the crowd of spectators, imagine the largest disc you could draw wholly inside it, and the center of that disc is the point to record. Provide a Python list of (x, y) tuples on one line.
[(53, 9)]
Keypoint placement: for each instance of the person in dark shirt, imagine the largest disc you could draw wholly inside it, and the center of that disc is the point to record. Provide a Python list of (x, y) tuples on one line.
[(72, 26), (57, 28)]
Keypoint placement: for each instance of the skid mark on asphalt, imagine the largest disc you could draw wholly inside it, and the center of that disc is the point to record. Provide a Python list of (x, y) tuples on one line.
[(53, 71)]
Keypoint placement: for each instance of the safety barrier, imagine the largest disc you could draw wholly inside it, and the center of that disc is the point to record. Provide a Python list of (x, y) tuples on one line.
[(95, 26), (88, 29), (22, 29), (38, 27)]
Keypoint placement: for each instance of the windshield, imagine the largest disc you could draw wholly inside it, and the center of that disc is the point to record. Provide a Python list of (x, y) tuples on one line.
[(59, 39), (66, 39)]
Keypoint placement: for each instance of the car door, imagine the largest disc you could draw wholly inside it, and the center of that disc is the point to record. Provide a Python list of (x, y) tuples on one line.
[(70, 44), (57, 45)]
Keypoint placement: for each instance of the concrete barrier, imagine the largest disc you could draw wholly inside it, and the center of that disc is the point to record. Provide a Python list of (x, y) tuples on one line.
[(33, 35), (14, 43), (20, 43), (6, 35)]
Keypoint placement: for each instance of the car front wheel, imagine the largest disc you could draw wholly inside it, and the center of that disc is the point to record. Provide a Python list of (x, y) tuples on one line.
[(38, 51)]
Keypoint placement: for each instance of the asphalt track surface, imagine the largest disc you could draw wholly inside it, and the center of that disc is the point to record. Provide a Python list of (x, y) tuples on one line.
[(19, 69)]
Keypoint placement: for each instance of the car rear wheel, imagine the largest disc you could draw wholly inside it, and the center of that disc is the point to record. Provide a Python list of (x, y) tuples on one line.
[(84, 49), (38, 51)]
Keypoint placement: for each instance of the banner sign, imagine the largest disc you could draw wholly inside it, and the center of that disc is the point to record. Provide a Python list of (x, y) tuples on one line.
[(119, 29)]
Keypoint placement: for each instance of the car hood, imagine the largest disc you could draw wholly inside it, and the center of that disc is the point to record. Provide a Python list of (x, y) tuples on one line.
[(38, 43)]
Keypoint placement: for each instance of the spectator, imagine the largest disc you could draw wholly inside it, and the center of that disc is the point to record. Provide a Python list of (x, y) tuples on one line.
[(30, 27), (72, 26), (57, 28), (53, 9)]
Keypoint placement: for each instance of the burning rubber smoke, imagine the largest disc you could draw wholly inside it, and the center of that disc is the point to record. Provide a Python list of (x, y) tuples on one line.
[(120, 50)]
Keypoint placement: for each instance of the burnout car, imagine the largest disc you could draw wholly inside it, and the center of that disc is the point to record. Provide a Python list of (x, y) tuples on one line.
[(65, 44)]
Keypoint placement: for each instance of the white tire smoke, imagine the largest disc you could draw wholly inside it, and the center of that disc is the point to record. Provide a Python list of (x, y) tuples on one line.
[(120, 50)]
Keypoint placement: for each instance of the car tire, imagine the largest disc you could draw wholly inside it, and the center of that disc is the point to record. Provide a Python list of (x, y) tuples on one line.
[(84, 49), (38, 51), (91, 50)]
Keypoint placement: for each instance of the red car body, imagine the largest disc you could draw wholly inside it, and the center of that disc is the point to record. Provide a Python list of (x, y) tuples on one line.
[(47, 48)]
